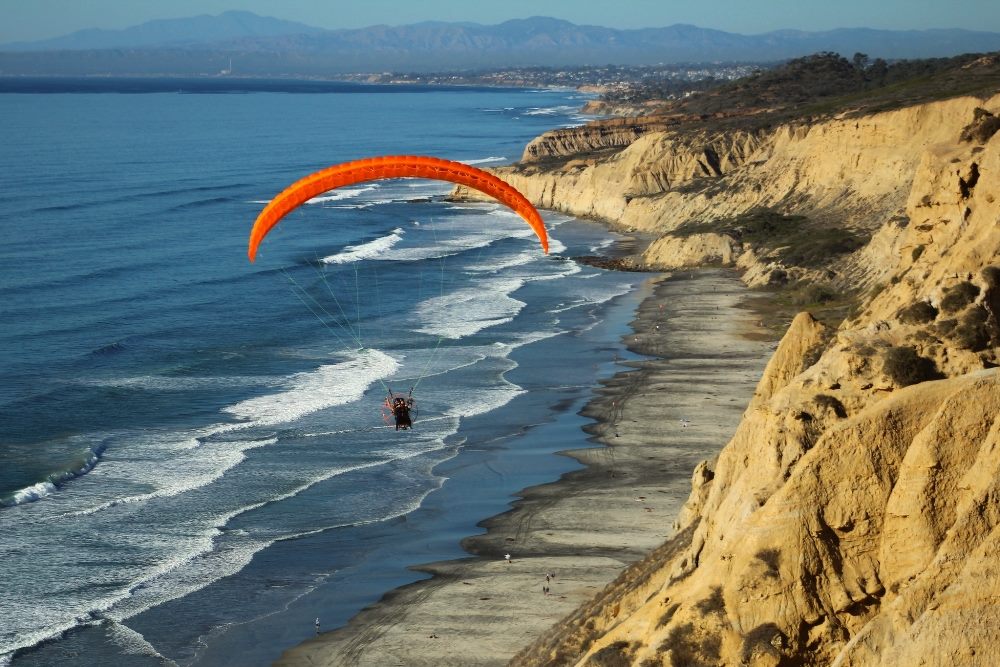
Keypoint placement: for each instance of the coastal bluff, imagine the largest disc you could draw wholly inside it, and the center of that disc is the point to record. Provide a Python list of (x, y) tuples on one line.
[(853, 517)]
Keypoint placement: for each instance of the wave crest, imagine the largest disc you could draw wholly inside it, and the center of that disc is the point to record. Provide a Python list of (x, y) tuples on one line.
[(51, 483), (367, 250)]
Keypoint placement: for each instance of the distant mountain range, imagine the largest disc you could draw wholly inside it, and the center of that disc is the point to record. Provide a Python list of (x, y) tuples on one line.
[(264, 46)]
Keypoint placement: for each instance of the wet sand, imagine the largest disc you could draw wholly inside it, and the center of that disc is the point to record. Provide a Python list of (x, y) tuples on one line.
[(656, 420)]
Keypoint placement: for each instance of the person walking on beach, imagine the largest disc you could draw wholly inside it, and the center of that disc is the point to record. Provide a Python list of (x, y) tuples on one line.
[(506, 557), (317, 625)]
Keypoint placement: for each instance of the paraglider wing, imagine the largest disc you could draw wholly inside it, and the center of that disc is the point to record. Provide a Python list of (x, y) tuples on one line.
[(392, 166)]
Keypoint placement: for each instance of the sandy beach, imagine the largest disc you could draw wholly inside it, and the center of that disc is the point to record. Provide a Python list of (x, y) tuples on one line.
[(653, 421)]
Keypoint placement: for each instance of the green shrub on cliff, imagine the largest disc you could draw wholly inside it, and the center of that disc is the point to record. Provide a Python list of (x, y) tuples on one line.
[(958, 297), (905, 367), (972, 332), (983, 126), (814, 294), (790, 239), (618, 654), (920, 312)]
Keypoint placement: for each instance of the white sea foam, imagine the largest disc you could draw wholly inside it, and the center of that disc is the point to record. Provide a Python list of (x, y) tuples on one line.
[(352, 207), (204, 560), (602, 245), (577, 120), (193, 467), (338, 194), (466, 311), (433, 361), (556, 246), (445, 247), (536, 336), (367, 250), (504, 262), (487, 400), (484, 160), (503, 213), (33, 492), (133, 643), (197, 460), (325, 387), (527, 265), (343, 193), (182, 561), (588, 295), (190, 561), (549, 111)]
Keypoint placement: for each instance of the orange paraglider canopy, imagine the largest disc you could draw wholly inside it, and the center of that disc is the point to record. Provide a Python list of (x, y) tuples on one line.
[(392, 166)]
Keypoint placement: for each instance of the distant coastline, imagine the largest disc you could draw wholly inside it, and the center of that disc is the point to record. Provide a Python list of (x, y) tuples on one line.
[(209, 85)]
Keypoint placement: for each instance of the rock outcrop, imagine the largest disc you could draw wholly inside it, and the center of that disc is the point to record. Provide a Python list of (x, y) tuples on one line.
[(596, 136), (854, 518)]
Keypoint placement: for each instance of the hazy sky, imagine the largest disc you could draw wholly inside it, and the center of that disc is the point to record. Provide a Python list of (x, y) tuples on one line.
[(38, 19)]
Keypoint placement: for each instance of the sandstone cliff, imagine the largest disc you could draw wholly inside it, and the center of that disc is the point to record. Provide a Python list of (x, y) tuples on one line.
[(595, 136), (851, 174), (854, 518)]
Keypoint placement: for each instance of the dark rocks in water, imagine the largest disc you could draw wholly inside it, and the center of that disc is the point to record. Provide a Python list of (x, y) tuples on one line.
[(611, 263)]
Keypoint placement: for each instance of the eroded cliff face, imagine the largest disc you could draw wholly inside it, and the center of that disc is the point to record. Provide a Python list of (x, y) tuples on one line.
[(593, 137), (852, 174), (605, 184), (854, 518)]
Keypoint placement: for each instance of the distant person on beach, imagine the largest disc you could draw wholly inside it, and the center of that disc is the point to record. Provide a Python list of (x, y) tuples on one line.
[(317, 624), (506, 557)]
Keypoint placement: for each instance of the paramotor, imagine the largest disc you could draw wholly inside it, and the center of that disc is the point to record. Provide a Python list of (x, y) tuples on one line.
[(392, 166)]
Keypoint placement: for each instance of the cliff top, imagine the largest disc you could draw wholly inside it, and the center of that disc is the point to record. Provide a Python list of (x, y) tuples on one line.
[(826, 85)]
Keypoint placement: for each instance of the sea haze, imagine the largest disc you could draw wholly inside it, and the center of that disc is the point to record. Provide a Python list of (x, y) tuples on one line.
[(192, 448)]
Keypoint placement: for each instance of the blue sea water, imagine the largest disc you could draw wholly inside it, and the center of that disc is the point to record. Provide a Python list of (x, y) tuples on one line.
[(192, 447)]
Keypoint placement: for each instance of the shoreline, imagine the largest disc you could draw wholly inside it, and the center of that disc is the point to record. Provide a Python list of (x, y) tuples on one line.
[(705, 355)]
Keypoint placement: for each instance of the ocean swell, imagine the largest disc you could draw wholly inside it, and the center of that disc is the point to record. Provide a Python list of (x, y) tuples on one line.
[(51, 483)]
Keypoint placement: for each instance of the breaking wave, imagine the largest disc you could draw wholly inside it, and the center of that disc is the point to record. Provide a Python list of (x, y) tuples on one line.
[(51, 483), (367, 250)]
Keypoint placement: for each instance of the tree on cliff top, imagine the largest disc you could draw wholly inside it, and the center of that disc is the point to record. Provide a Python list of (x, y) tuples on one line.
[(828, 83)]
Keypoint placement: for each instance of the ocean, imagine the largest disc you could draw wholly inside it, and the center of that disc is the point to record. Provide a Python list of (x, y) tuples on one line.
[(194, 459)]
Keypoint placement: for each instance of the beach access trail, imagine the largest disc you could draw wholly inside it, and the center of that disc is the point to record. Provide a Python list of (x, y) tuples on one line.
[(657, 419)]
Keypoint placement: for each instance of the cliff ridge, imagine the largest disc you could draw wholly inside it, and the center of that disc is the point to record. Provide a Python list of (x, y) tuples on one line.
[(852, 519)]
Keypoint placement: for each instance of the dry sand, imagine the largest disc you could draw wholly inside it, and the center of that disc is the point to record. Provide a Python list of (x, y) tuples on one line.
[(585, 528)]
